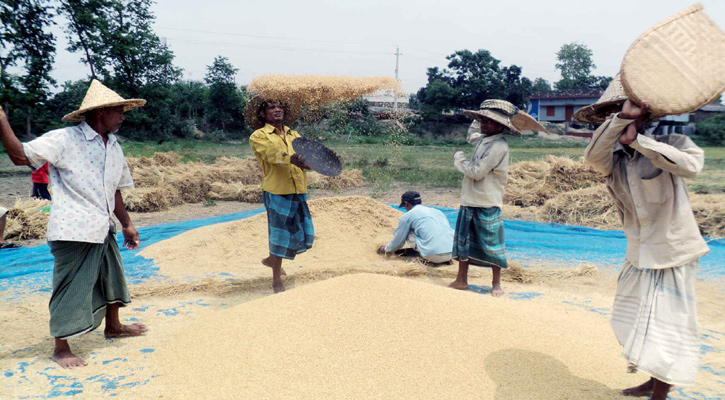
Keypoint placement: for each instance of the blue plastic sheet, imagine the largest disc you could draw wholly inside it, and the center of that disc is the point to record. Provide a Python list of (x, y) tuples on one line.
[(530, 243)]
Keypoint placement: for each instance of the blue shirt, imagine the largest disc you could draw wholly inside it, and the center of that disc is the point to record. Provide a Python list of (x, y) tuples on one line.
[(433, 233)]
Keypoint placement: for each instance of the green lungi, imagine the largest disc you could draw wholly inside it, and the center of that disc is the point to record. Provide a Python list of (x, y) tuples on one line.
[(86, 277)]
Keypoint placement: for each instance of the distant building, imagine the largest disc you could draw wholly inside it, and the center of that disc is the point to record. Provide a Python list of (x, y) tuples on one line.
[(707, 111), (560, 105), (386, 100)]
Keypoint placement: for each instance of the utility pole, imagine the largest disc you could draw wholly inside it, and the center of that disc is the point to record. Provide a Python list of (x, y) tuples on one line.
[(395, 93)]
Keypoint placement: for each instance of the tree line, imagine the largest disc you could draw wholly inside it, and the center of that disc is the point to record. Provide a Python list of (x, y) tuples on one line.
[(115, 41), (473, 77)]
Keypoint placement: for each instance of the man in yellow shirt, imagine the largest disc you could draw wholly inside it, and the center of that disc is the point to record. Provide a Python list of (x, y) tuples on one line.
[(284, 184)]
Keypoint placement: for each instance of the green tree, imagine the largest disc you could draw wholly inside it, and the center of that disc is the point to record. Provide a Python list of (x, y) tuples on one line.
[(470, 79), (575, 65), (437, 97), (224, 99), (712, 130), (541, 85), (84, 29), (26, 30)]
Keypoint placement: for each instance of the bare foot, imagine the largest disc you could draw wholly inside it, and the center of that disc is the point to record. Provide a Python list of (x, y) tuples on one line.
[(278, 287), (642, 390), (458, 285), (66, 359), (497, 291), (125, 330), (266, 263)]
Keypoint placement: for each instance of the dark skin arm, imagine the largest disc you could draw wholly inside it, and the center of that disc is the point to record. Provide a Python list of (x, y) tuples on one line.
[(639, 113), (11, 143), (299, 161), (131, 239)]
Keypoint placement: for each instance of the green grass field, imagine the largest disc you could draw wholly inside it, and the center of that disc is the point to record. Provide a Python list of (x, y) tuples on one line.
[(431, 164)]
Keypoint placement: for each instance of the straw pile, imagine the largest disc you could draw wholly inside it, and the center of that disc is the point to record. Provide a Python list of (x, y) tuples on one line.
[(709, 212), (162, 182), (27, 220), (316, 90), (591, 206), (383, 337), (532, 183)]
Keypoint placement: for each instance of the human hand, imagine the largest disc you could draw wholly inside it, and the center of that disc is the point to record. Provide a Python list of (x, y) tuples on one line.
[(630, 110), (456, 152), (381, 250), (629, 135), (131, 239), (299, 161)]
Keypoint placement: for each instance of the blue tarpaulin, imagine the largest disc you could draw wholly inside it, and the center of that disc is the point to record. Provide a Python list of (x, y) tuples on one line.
[(529, 243)]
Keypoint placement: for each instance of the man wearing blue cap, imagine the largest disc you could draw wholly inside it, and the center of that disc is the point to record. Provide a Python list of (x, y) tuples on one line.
[(426, 231)]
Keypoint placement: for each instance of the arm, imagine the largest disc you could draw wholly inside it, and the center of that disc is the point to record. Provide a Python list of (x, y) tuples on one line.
[(265, 149), (474, 132), (131, 239), (682, 158), (399, 235), (600, 151), (478, 170), (11, 143)]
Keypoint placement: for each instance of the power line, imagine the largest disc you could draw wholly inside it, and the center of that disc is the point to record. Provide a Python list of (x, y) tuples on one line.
[(267, 37), (266, 47)]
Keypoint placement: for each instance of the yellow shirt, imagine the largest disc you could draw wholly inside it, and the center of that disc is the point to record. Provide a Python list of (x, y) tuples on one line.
[(273, 152)]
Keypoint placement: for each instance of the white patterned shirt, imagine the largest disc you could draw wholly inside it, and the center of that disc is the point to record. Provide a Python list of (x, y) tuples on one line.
[(84, 176)]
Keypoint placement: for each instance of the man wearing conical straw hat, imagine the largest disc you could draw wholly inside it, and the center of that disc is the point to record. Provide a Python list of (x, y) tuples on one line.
[(284, 184), (654, 315), (479, 234), (87, 172)]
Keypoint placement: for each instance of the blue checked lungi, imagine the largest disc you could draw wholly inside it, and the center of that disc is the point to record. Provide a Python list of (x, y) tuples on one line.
[(289, 224), (479, 237)]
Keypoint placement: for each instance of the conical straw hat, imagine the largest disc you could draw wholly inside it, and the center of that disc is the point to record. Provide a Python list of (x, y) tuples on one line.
[(507, 115), (678, 65), (291, 112), (597, 112), (99, 96)]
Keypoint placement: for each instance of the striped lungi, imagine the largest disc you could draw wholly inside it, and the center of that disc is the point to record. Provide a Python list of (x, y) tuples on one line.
[(479, 237), (86, 277), (655, 321), (289, 224)]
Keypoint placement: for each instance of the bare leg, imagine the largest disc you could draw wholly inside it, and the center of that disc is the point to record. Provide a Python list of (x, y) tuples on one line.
[(644, 389), (275, 263), (267, 262), (661, 390), (496, 290), (114, 327), (461, 282), (64, 357)]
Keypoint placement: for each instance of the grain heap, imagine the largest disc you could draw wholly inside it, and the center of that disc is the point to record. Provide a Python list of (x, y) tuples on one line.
[(315, 90), (347, 233), (381, 337), (162, 182), (27, 219)]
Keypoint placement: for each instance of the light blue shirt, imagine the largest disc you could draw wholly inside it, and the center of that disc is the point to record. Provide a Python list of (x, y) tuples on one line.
[(433, 233)]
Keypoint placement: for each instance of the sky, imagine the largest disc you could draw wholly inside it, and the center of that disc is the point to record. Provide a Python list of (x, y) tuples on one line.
[(359, 38)]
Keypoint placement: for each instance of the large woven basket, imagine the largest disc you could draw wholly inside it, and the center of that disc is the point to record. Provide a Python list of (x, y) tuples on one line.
[(678, 65)]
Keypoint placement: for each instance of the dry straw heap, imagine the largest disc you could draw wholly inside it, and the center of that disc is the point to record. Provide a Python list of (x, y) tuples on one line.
[(316, 90), (27, 219), (565, 191), (162, 182)]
